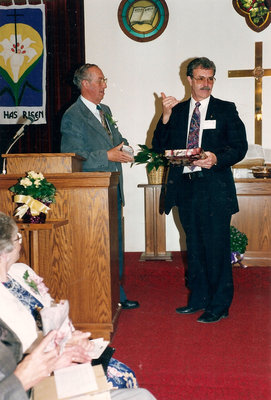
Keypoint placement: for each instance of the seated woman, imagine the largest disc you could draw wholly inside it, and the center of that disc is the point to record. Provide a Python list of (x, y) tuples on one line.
[(22, 292)]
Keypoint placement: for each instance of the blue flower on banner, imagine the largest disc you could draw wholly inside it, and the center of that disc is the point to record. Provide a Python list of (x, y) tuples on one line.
[(19, 53)]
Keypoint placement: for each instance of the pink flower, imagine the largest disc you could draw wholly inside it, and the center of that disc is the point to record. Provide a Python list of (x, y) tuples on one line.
[(35, 282)]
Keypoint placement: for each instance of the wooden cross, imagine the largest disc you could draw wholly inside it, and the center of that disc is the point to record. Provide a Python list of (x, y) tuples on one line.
[(258, 73)]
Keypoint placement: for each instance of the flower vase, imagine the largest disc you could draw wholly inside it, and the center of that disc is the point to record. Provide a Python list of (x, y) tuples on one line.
[(28, 218)]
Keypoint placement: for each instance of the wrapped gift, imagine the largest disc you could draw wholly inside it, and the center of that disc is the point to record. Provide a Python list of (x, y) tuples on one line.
[(185, 156)]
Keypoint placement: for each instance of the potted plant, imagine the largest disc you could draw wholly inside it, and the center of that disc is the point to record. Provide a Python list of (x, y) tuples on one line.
[(239, 243), (155, 163), (33, 194)]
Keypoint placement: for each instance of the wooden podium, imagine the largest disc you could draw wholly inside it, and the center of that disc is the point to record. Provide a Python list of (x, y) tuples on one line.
[(78, 245)]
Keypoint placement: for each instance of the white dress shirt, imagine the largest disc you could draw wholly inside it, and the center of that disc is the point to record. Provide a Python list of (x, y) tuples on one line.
[(92, 107)]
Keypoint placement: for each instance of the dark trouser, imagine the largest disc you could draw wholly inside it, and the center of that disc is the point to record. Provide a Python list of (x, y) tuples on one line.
[(207, 228), (120, 239)]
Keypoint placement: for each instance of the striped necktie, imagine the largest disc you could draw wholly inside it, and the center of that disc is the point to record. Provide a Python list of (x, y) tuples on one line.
[(104, 120)]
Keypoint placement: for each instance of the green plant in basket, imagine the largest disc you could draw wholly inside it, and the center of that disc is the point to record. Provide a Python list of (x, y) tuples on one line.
[(150, 158)]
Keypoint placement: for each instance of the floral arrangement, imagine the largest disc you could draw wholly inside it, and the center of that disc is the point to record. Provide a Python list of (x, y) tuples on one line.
[(239, 243), (34, 192), (36, 283), (36, 186)]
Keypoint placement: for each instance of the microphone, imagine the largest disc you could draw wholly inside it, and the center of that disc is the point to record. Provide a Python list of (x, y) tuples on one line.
[(27, 122), (16, 137)]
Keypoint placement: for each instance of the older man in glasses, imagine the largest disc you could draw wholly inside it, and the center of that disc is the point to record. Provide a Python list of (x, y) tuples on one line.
[(204, 192), (88, 129)]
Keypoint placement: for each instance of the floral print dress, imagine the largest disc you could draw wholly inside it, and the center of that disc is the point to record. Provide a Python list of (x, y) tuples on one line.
[(118, 374)]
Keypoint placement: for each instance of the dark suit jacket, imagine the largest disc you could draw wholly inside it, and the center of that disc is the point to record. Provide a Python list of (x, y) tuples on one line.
[(227, 141), (10, 355), (83, 134)]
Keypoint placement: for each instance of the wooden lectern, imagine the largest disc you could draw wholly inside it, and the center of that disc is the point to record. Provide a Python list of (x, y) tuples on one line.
[(78, 245), (254, 219)]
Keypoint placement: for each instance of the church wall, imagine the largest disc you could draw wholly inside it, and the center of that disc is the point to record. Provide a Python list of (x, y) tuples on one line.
[(138, 72)]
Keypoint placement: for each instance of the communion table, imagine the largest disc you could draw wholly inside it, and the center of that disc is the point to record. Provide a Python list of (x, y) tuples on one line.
[(254, 219)]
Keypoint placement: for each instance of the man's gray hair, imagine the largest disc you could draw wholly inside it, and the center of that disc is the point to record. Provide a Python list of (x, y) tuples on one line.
[(202, 62), (82, 73), (8, 229)]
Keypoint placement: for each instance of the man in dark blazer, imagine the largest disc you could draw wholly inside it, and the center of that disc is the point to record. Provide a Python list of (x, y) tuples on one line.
[(204, 194), (88, 129)]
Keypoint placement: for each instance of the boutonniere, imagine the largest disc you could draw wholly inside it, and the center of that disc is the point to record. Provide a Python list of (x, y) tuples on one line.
[(36, 283), (110, 119)]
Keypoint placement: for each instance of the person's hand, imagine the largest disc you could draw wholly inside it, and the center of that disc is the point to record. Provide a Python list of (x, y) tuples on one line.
[(41, 363), (168, 103), (72, 354), (38, 364), (115, 154), (206, 162), (82, 339)]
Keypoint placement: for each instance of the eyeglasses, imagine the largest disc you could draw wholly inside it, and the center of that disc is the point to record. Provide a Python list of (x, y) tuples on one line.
[(210, 79), (19, 238), (101, 80)]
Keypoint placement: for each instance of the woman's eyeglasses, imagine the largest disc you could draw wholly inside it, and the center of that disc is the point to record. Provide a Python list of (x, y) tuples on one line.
[(19, 238)]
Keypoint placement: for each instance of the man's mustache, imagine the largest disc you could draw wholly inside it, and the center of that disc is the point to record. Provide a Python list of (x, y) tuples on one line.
[(205, 88)]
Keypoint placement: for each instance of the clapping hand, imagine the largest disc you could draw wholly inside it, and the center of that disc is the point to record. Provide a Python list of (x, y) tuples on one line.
[(82, 339), (41, 363)]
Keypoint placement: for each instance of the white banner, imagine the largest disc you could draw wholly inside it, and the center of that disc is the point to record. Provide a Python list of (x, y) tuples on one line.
[(22, 64)]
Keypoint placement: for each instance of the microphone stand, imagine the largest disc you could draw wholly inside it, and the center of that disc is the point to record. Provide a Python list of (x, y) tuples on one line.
[(12, 144)]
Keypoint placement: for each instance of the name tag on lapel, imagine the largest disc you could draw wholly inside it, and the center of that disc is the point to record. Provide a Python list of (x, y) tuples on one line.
[(209, 124)]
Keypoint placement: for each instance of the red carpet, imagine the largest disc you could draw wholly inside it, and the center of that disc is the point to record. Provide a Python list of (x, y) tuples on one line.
[(177, 358)]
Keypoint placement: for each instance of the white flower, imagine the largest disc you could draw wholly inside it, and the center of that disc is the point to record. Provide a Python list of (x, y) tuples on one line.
[(25, 182), (35, 175), (37, 183), (16, 52)]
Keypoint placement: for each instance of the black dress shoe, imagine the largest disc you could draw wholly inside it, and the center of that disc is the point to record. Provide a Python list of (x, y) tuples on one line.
[(209, 317), (129, 304), (188, 310)]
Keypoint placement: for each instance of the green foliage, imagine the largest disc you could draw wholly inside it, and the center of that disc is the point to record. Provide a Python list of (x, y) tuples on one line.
[(239, 241), (30, 282), (36, 186), (150, 158)]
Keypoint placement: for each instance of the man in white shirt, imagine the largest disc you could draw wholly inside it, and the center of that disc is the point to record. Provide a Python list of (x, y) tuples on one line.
[(204, 192), (88, 129)]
